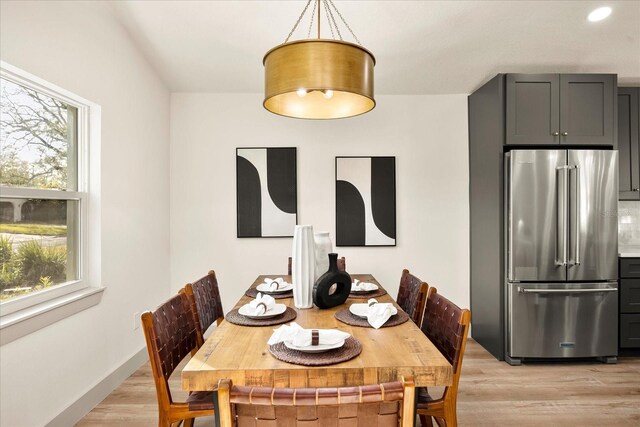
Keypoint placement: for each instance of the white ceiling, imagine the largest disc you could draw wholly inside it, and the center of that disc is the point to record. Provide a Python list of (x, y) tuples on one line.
[(421, 47)]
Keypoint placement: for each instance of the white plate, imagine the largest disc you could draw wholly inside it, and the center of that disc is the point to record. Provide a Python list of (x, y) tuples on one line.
[(365, 292), (359, 310), (263, 287), (314, 348), (248, 311)]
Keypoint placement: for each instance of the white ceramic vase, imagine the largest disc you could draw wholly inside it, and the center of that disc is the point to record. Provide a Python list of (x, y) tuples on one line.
[(303, 266), (323, 248)]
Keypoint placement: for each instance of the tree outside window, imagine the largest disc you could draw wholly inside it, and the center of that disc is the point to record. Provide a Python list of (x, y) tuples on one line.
[(38, 169)]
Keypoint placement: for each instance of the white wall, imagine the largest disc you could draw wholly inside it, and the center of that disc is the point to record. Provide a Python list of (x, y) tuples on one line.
[(81, 47), (427, 134)]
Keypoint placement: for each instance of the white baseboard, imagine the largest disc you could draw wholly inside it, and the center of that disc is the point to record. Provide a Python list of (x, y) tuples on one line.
[(81, 407)]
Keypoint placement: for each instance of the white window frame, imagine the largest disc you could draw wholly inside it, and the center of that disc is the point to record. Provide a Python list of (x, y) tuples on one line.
[(87, 196)]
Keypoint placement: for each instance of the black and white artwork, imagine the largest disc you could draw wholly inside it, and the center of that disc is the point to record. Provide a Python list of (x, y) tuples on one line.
[(266, 192), (365, 201)]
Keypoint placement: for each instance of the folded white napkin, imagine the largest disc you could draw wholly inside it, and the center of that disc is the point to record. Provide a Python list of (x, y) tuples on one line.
[(301, 337), (275, 284), (262, 304), (359, 286), (378, 313)]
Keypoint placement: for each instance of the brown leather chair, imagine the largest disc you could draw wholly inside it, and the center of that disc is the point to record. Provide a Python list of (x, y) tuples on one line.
[(170, 332), (342, 265), (412, 296), (382, 405), (447, 326), (206, 305)]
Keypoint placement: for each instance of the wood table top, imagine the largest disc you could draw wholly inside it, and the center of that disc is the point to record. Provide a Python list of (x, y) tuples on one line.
[(240, 353)]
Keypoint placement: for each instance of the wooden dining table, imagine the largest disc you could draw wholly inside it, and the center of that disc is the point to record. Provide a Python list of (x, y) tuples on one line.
[(241, 353)]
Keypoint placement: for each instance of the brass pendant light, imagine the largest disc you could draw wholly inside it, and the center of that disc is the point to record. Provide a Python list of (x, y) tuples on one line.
[(319, 78)]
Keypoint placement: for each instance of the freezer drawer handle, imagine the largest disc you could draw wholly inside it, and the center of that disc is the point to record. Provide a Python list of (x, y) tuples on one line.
[(564, 291)]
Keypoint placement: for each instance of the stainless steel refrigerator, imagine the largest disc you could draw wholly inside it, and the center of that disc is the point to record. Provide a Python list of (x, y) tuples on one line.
[(561, 259)]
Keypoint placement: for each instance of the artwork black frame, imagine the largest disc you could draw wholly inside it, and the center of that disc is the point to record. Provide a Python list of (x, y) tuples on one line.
[(282, 183), (351, 227)]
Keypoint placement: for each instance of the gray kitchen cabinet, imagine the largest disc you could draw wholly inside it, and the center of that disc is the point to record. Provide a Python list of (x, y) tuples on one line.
[(628, 143), (629, 327), (533, 109), (548, 109), (630, 295)]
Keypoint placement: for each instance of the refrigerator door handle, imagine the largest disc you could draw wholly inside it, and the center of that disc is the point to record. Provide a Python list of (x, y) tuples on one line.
[(564, 291), (509, 217), (561, 218), (578, 215), (576, 218)]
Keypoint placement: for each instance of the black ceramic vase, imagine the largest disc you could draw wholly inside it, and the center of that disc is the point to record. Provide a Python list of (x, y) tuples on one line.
[(323, 297)]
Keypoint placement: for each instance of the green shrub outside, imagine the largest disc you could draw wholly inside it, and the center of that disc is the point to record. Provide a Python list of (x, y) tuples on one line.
[(32, 265), (9, 277), (6, 250), (36, 261)]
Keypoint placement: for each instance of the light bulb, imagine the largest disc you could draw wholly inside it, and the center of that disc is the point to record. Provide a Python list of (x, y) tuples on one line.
[(599, 14), (328, 94), (301, 93)]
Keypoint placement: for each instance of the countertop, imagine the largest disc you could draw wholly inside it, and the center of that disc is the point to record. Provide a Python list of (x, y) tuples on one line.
[(629, 251)]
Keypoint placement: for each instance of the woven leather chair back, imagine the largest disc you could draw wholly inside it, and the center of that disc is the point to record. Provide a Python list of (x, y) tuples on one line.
[(446, 325), (172, 334), (206, 305), (412, 296), (342, 265), (379, 405)]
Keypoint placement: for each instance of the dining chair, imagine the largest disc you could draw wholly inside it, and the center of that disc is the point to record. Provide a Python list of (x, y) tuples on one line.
[(390, 404), (412, 296), (342, 265), (205, 302), (170, 332), (447, 326)]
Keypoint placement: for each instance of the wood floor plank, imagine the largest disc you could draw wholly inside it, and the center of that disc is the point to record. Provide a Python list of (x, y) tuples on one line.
[(491, 393)]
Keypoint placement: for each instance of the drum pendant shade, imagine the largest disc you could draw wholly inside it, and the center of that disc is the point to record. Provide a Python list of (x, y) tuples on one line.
[(319, 79)]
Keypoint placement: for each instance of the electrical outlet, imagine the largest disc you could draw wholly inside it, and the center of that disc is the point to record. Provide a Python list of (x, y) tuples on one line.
[(136, 320)]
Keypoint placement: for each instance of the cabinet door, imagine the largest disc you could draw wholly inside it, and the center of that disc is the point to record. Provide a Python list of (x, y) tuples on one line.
[(630, 295), (587, 105), (630, 268), (628, 122), (533, 102), (630, 330)]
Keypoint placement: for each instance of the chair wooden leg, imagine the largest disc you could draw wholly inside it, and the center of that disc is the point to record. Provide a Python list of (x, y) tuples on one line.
[(425, 421), (450, 413), (188, 422), (163, 420)]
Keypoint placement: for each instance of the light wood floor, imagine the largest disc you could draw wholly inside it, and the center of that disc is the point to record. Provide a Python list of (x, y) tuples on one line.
[(491, 393)]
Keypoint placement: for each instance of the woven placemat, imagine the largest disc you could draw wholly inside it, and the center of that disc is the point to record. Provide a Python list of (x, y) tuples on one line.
[(253, 292), (345, 316), (377, 293), (348, 351), (234, 317)]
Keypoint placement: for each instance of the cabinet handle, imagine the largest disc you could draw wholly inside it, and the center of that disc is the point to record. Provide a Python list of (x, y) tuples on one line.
[(636, 189), (565, 133), (555, 134)]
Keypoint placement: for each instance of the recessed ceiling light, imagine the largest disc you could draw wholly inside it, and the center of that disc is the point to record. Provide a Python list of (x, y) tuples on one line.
[(599, 14)]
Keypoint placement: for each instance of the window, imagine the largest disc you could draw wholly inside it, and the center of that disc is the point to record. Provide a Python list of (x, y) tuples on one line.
[(44, 190)]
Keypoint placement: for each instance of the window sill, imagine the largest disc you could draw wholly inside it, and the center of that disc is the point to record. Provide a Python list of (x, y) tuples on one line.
[(28, 320)]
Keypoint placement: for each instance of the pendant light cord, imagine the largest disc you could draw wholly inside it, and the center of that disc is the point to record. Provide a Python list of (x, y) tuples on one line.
[(331, 20), (313, 14), (299, 18), (344, 22)]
